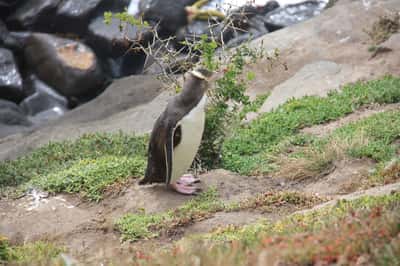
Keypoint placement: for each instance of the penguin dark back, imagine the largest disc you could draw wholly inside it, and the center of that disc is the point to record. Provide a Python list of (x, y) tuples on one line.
[(167, 131)]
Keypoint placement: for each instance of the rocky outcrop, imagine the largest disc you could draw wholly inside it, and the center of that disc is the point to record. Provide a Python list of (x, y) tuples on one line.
[(10, 79), (324, 53), (69, 66)]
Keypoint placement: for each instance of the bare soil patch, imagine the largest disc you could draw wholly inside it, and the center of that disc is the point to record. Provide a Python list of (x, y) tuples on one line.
[(86, 228)]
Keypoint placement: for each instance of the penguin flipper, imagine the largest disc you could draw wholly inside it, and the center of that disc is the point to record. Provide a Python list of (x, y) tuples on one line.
[(168, 151)]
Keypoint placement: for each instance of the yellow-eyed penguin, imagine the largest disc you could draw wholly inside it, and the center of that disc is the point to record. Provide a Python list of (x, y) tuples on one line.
[(177, 134)]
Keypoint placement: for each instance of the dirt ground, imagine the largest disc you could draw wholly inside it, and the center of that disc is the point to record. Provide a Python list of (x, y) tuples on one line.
[(86, 229)]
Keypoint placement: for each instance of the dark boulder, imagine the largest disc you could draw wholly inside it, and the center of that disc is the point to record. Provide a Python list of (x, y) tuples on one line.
[(268, 7), (7, 7), (66, 65), (42, 99), (114, 47), (74, 15), (168, 15), (36, 15), (12, 119), (110, 40), (7, 40), (11, 114), (221, 33), (10, 79)]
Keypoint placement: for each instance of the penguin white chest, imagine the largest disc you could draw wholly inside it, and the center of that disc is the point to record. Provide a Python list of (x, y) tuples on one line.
[(192, 127)]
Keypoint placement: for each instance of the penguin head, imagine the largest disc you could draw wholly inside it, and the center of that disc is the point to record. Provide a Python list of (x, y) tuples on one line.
[(201, 73), (195, 84)]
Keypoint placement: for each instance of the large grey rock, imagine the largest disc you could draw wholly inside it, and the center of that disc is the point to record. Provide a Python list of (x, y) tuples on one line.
[(68, 66), (43, 99), (338, 36), (74, 15), (131, 105), (12, 119), (317, 78), (10, 79)]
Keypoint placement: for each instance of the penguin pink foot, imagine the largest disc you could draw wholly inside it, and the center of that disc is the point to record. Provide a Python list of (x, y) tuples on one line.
[(184, 185), (188, 179), (185, 189)]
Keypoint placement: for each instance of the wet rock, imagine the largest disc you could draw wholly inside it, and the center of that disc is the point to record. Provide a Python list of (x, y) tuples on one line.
[(34, 15), (194, 30), (169, 15), (12, 115), (7, 7), (66, 65), (110, 40), (43, 98), (113, 46), (292, 14), (268, 7), (7, 40), (74, 15), (10, 79)]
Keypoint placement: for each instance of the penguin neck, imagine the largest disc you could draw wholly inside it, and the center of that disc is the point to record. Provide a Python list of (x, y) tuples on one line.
[(192, 93)]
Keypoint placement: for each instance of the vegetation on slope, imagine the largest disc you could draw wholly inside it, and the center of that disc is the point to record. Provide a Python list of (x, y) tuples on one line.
[(372, 137), (38, 253), (135, 226), (348, 232), (72, 166), (245, 150)]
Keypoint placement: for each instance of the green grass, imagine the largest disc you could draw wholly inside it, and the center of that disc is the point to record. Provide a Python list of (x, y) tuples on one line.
[(135, 226), (345, 231), (380, 131), (88, 164), (37, 253), (369, 138), (90, 177), (253, 106), (242, 152)]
